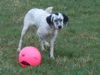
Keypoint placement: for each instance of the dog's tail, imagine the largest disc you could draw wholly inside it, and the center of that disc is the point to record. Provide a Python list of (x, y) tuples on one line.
[(49, 9)]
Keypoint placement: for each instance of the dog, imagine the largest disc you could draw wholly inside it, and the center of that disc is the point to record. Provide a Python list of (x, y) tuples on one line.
[(47, 23)]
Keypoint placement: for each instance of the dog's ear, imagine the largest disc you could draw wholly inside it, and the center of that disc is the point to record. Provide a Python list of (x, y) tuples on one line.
[(65, 18), (49, 20)]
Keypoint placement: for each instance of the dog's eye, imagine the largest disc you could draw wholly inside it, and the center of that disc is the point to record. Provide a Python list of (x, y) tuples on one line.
[(60, 20)]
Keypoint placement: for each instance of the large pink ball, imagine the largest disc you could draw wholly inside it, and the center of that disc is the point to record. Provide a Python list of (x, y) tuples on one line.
[(29, 56)]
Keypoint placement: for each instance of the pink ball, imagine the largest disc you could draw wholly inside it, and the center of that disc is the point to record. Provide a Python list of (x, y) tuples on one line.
[(29, 56)]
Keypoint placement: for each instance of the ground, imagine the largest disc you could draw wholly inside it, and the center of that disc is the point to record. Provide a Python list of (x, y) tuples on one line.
[(77, 49)]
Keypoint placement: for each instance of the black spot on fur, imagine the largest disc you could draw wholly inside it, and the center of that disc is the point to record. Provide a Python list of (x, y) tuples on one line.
[(49, 20), (56, 14), (65, 18)]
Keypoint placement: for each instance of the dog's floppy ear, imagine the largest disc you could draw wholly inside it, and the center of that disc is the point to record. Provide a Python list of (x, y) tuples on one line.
[(65, 18), (49, 20)]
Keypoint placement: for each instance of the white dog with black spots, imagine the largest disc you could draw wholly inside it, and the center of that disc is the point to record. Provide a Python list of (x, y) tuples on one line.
[(47, 23)]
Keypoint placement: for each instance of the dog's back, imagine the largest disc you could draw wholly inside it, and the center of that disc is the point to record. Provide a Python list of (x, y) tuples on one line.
[(35, 16)]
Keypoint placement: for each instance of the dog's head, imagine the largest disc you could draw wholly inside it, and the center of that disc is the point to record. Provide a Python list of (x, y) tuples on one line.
[(57, 20)]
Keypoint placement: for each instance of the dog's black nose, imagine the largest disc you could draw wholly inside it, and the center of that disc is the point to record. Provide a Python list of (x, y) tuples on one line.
[(59, 27)]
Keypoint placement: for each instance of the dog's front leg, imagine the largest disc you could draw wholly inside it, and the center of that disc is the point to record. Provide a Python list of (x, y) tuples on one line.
[(42, 44), (43, 41), (53, 39)]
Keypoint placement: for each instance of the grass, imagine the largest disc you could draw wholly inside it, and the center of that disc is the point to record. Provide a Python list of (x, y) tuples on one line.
[(78, 45)]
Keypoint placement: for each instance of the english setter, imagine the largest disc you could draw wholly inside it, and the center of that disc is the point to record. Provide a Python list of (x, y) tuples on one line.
[(47, 23)]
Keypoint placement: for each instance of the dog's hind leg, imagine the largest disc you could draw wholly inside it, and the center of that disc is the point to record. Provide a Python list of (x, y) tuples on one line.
[(24, 30)]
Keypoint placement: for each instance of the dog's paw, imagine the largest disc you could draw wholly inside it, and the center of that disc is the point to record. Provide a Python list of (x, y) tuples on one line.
[(47, 44), (18, 50), (52, 57), (42, 48)]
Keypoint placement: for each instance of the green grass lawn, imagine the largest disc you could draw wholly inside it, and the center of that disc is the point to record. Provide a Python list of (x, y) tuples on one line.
[(77, 48)]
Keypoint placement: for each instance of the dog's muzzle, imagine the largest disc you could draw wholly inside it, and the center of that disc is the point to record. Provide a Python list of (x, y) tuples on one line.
[(59, 27)]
